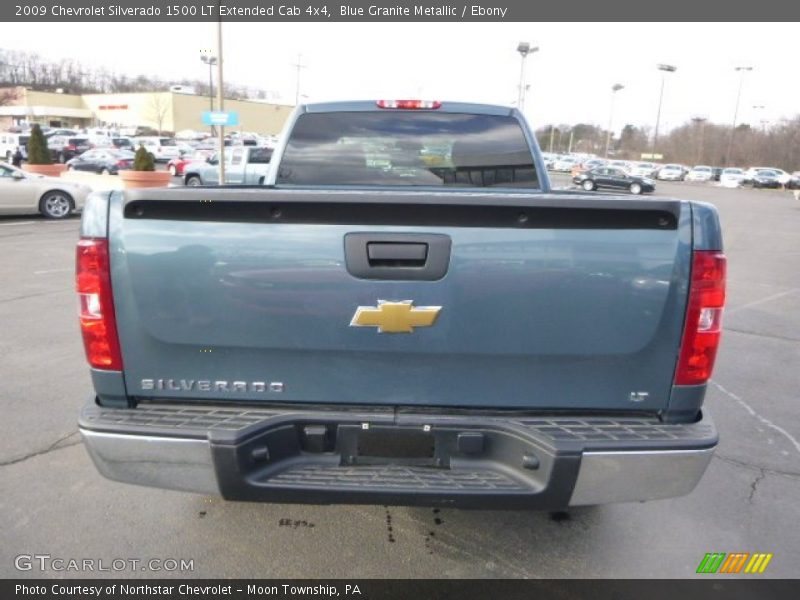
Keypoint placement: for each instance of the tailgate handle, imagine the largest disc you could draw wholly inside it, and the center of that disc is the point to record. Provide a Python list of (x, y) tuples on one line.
[(396, 254)]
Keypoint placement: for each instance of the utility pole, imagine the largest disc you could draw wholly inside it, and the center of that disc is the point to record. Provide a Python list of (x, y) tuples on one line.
[(298, 65), (571, 135), (700, 123), (210, 60), (552, 133), (614, 89), (221, 104)]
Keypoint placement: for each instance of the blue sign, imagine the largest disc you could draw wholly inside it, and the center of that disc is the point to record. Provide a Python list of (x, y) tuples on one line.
[(221, 118)]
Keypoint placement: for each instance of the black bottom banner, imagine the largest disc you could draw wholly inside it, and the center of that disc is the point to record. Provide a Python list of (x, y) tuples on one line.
[(423, 589)]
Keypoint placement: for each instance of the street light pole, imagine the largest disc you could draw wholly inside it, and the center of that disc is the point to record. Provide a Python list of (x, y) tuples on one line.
[(664, 70), (614, 89), (741, 71), (524, 49), (298, 65), (221, 104), (700, 122)]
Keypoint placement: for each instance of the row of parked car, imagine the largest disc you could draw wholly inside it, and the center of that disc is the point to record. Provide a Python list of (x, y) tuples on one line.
[(106, 151), (759, 177)]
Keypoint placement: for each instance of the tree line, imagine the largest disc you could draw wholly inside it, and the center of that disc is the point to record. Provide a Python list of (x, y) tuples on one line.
[(696, 142), (28, 69)]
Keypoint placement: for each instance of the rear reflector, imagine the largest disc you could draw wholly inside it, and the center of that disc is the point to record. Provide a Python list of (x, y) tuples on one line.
[(409, 104), (701, 332), (99, 328)]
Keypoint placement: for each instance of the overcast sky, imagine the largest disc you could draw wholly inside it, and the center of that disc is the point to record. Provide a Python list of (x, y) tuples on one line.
[(570, 77)]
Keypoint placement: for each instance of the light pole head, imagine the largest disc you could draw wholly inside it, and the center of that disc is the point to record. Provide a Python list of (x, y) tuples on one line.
[(667, 68), (617, 87), (743, 68), (524, 48), (208, 59)]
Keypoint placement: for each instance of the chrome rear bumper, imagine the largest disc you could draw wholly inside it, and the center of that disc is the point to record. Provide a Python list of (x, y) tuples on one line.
[(260, 456)]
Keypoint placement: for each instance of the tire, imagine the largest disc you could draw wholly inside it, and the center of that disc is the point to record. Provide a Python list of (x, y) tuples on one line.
[(105, 172), (61, 158), (56, 205), (193, 181), (588, 185), (635, 189), (70, 167), (173, 171)]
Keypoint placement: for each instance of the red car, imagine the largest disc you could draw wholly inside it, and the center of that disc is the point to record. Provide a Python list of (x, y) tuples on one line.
[(176, 165)]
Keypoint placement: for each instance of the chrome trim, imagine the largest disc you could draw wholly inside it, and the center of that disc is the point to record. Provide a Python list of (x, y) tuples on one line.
[(162, 462), (607, 477)]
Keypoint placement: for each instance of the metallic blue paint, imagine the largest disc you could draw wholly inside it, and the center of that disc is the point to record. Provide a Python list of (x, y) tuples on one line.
[(531, 318)]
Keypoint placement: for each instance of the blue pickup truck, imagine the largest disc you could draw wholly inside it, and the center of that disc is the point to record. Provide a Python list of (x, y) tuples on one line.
[(404, 313)]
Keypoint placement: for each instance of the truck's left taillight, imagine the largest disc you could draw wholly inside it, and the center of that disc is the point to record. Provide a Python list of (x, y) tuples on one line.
[(703, 326), (98, 326)]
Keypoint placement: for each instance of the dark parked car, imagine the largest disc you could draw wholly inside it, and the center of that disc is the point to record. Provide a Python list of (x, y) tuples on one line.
[(66, 132), (766, 179), (102, 160), (794, 182), (612, 177), (717, 173), (64, 148), (123, 143)]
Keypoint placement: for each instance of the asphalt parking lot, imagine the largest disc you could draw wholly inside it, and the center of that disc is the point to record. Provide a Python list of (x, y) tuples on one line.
[(54, 502)]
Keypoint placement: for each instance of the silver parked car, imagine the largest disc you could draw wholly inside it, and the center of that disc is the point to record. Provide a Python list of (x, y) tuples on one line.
[(22, 192)]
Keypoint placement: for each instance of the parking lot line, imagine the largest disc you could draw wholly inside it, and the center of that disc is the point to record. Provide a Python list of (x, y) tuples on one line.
[(16, 223), (53, 271)]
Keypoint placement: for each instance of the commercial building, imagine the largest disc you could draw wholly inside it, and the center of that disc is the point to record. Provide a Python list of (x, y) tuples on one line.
[(163, 111)]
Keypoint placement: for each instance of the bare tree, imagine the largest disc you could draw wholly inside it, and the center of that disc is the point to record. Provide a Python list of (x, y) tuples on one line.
[(8, 96), (157, 109)]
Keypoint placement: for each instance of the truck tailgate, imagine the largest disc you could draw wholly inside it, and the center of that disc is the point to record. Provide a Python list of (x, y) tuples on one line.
[(546, 301)]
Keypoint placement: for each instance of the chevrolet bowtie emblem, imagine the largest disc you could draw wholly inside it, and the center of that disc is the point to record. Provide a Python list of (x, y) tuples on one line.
[(395, 317)]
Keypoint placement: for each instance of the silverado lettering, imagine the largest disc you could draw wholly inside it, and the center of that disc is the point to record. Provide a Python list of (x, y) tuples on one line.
[(205, 385)]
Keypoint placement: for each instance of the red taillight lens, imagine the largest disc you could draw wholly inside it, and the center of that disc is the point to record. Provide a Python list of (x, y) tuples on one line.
[(703, 325), (71, 148), (99, 328), (409, 104)]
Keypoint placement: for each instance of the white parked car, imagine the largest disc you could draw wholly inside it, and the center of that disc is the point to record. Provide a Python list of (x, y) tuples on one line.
[(162, 148), (731, 177), (9, 142), (671, 173), (548, 157), (643, 169), (22, 192), (620, 164), (565, 163), (700, 173)]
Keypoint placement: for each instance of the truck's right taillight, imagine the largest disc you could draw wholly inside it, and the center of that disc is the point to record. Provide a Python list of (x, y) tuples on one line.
[(701, 332), (98, 325)]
